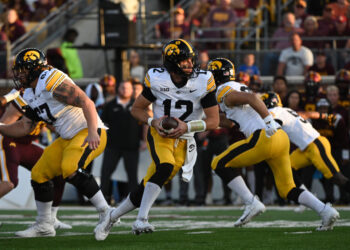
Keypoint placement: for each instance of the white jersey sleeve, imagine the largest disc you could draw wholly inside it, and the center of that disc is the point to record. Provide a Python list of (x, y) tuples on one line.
[(67, 120), (185, 102), (244, 116), (300, 131)]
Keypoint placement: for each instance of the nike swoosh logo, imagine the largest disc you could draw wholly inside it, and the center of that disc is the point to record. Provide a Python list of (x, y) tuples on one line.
[(192, 90)]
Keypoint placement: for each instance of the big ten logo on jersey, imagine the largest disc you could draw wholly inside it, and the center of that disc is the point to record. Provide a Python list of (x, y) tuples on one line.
[(44, 113), (37, 129), (164, 89)]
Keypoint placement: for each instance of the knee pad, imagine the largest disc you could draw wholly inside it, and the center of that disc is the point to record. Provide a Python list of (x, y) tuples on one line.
[(136, 195), (226, 174), (163, 172), (84, 182), (339, 179), (43, 191), (293, 195)]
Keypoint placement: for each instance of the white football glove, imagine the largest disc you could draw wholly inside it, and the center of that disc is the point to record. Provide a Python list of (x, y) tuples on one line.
[(271, 125)]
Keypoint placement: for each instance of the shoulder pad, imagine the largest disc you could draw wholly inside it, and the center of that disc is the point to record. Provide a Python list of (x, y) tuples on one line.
[(223, 91), (53, 79)]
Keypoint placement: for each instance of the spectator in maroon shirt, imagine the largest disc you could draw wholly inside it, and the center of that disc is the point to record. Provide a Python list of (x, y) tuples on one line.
[(3, 55), (222, 16), (300, 13), (13, 26), (322, 66), (311, 34), (22, 8), (42, 9), (181, 28), (326, 22), (341, 30)]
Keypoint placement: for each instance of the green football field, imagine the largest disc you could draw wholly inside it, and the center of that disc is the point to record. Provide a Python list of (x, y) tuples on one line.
[(184, 228)]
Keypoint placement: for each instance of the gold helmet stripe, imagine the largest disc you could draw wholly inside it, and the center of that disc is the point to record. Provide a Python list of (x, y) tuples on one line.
[(188, 45)]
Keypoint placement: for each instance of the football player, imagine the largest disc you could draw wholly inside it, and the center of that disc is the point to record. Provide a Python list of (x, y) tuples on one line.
[(265, 142), (178, 90), (54, 98), (22, 151), (313, 148)]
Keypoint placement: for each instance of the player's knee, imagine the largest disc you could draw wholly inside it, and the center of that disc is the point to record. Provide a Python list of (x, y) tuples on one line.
[(43, 191), (84, 182), (163, 172), (339, 179), (136, 195), (293, 194), (227, 174)]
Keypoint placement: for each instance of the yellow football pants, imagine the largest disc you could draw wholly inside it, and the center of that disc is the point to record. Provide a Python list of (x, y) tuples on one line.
[(257, 148), (318, 153), (64, 157), (164, 150)]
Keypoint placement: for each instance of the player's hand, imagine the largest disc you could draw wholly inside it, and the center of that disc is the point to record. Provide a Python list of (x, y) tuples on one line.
[(271, 125), (180, 130), (93, 140), (156, 124)]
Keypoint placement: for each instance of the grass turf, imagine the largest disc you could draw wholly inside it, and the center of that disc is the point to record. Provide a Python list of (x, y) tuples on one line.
[(184, 228)]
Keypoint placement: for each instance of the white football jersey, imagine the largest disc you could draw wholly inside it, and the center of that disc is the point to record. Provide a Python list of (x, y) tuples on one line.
[(300, 131), (245, 117), (67, 120), (183, 103)]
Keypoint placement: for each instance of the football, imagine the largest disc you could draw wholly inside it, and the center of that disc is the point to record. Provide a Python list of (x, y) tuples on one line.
[(168, 124)]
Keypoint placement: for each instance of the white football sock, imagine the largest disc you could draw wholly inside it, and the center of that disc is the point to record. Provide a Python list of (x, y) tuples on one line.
[(150, 194), (251, 180), (309, 200), (54, 211), (123, 208), (240, 188), (44, 210), (99, 201)]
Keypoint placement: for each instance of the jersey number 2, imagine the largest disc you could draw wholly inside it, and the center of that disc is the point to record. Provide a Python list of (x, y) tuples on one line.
[(178, 105)]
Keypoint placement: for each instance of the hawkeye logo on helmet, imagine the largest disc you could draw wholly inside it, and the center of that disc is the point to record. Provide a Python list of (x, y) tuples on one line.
[(215, 65), (172, 49), (31, 55)]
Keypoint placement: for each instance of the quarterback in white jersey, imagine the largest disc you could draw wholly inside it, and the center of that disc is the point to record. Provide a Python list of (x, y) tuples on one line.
[(313, 149), (265, 142), (180, 91), (55, 99)]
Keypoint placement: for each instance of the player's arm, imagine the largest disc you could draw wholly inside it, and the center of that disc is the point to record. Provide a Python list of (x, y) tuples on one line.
[(19, 128), (11, 115), (70, 94), (236, 98), (13, 94)]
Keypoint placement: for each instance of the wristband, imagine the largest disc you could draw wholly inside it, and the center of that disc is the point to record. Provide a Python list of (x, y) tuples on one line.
[(149, 121), (11, 96), (196, 126), (268, 119)]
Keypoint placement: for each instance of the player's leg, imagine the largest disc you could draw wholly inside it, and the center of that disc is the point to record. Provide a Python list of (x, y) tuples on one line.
[(46, 168), (167, 160), (319, 153), (240, 154), (9, 161), (29, 155), (282, 172), (74, 160)]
